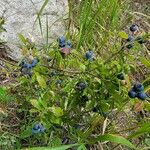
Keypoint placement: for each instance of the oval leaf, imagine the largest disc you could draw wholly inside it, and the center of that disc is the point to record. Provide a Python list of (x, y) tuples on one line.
[(123, 35), (41, 80)]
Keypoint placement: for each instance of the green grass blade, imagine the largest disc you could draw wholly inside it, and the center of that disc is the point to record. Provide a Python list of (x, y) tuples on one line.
[(63, 147), (115, 139), (42, 8), (40, 25), (22, 38), (143, 130)]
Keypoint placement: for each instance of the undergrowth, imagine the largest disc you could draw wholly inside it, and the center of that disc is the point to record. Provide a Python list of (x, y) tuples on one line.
[(69, 93)]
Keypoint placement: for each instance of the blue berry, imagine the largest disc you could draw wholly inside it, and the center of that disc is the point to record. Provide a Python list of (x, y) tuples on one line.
[(62, 41), (95, 109), (120, 76), (38, 128), (142, 96), (24, 64), (130, 38), (132, 94), (89, 55), (58, 82), (138, 87), (34, 62), (134, 28), (81, 86)]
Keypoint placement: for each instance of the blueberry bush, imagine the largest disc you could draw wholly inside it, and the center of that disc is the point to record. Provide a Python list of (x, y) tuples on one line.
[(67, 94)]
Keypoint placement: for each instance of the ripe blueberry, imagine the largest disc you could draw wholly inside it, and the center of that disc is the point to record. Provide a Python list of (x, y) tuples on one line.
[(89, 55), (142, 96), (24, 64), (120, 76), (138, 87), (130, 38), (132, 94), (62, 41), (34, 62), (81, 86), (38, 128), (134, 28)]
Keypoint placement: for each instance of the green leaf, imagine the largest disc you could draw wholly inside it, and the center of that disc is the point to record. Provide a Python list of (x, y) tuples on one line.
[(147, 106), (105, 106), (143, 130), (82, 67), (41, 80), (114, 138), (58, 112), (63, 147), (98, 80), (82, 147), (55, 141), (147, 142), (2, 92), (26, 133), (36, 104), (145, 62), (123, 35)]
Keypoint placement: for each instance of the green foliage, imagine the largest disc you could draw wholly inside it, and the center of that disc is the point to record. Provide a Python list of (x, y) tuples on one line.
[(71, 114)]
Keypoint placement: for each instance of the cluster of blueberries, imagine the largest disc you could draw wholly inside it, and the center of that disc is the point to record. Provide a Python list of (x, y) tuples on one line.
[(137, 91), (38, 128), (89, 55), (134, 28), (66, 46), (26, 67), (63, 43)]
